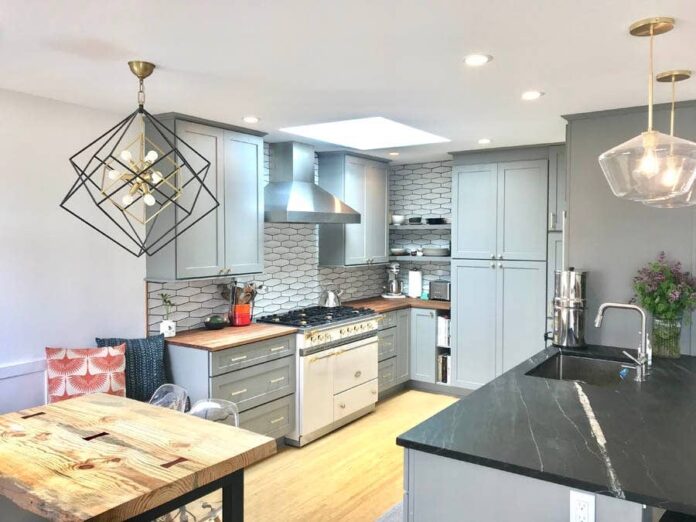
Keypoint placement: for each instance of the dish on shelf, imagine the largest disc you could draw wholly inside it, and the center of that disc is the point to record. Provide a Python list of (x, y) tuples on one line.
[(416, 220), (435, 221), (436, 251), (397, 219), (398, 251)]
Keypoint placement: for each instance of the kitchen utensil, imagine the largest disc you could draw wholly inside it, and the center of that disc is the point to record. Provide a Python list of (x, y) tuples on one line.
[(569, 308), (241, 315), (330, 298), (440, 290), (435, 221), (415, 283), (397, 251), (436, 251), (215, 322), (397, 219), (416, 220)]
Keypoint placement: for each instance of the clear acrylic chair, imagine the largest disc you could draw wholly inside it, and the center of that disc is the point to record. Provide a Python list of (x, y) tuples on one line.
[(170, 396), (216, 410)]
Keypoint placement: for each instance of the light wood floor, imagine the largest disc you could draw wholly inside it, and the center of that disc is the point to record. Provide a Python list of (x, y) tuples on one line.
[(355, 473)]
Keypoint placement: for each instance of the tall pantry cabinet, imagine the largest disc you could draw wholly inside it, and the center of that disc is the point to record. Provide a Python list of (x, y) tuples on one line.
[(499, 252)]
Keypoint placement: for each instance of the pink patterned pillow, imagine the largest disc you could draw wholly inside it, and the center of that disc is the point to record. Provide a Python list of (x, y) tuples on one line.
[(71, 372)]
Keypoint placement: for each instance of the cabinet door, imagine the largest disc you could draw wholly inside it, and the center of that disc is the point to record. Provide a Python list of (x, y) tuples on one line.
[(557, 186), (403, 345), (376, 214), (473, 326), (243, 203), (355, 187), (200, 250), (474, 194), (423, 341), (522, 205), (521, 311), (555, 249)]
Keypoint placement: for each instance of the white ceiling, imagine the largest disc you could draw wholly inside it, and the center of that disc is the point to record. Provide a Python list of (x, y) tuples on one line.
[(295, 62)]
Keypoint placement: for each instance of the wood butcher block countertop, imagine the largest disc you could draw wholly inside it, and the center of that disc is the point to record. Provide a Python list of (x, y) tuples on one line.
[(229, 337), (100, 457), (382, 305)]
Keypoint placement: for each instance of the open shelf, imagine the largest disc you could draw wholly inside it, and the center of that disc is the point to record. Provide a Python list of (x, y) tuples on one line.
[(421, 259), (446, 226)]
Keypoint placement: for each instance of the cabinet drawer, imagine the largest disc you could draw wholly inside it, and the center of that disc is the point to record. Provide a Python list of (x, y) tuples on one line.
[(386, 374), (251, 354), (274, 419), (389, 320), (355, 399), (354, 367), (256, 385), (387, 343)]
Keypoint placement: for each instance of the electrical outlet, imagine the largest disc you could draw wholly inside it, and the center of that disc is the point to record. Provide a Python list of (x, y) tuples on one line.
[(582, 507)]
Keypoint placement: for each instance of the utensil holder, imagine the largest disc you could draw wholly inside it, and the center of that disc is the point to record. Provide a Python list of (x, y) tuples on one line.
[(240, 315)]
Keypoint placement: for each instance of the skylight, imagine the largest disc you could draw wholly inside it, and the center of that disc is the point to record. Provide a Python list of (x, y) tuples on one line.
[(366, 133)]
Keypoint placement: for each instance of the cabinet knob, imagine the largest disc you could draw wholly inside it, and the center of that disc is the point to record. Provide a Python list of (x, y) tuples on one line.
[(492, 265), (492, 256), (500, 256), (343, 405), (358, 374), (500, 265)]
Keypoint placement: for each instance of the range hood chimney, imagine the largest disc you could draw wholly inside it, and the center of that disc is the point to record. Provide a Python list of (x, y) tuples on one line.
[(293, 197)]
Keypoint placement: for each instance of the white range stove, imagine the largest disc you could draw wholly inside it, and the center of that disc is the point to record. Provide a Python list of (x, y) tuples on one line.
[(336, 367)]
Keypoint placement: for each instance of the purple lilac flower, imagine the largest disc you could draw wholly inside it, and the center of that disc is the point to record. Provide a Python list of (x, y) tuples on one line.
[(674, 296)]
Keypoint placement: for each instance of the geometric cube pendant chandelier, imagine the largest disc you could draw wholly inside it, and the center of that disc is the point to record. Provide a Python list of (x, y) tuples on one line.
[(139, 184), (652, 168)]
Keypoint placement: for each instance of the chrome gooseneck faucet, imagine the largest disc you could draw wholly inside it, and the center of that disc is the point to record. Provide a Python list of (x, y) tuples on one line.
[(644, 359)]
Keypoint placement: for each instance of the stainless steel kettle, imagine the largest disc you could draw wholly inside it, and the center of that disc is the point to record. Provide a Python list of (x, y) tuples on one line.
[(330, 299)]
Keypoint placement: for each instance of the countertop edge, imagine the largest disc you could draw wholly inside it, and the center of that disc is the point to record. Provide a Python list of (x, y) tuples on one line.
[(235, 344)]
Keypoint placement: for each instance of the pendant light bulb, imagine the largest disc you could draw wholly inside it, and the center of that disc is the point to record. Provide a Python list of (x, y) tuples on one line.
[(126, 156), (114, 175), (127, 200), (156, 177), (151, 156), (149, 200)]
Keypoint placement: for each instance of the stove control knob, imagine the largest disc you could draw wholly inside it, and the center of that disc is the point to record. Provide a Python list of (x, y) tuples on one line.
[(342, 331)]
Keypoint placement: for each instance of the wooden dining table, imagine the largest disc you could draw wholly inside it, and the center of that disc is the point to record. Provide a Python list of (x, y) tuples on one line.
[(100, 457)]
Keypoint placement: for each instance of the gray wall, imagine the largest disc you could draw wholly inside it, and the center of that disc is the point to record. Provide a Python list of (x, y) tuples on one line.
[(611, 237)]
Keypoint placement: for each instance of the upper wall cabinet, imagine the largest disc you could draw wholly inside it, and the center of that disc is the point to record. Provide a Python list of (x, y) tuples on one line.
[(557, 187), (362, 184), (500, 210), (229, 240)]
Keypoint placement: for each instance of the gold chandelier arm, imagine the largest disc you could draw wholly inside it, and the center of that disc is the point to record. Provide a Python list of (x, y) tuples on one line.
[(671, 116), (650, 81)]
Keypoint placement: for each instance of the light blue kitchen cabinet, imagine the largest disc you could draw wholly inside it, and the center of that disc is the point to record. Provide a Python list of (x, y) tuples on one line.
[(474, 203), (403, 345), (522, 205), (500, 210), (228, 240), (520, 316), (243, 203), (423, 345), (557, 187), (473, 326), (555, 248), (498, 317), (362, 184)]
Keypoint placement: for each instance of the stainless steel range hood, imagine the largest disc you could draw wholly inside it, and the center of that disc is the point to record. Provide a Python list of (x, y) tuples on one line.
[(293, 197)]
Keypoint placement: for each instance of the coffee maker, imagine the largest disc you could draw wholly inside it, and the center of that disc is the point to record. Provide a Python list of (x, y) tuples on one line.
[(394, 288)]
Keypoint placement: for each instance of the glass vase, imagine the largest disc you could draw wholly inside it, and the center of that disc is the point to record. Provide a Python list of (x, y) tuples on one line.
[(665, 337)]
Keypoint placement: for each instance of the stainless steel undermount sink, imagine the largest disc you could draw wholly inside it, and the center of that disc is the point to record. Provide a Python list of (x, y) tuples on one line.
[(598, 372)]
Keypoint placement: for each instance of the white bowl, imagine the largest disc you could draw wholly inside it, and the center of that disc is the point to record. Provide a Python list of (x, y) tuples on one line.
[(397, 219)]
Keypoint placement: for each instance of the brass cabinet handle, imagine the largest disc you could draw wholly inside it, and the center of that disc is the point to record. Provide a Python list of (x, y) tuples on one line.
[(277, 348), (241, 358), (276, 421), (238, 392), (358, 374), (273, 381)]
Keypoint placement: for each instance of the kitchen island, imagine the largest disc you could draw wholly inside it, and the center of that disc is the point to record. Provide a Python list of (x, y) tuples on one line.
[(514, 448)]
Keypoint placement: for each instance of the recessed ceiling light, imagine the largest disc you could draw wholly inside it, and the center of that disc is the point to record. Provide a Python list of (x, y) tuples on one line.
[(393, 153), (532, 95), (477, 60), (484, 141), (250, 119), (366, 133)]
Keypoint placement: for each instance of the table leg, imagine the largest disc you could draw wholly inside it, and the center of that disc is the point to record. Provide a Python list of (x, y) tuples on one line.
[(233, 498)]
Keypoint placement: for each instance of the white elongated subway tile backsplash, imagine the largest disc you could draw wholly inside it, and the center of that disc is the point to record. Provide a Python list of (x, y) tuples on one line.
[(291, 274)]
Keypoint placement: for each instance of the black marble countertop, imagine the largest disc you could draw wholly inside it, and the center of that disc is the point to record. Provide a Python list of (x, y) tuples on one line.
[(635, 441)]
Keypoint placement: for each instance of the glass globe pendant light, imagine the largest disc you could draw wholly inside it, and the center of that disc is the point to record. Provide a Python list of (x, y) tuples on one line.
[(676, 165), (652, 166)]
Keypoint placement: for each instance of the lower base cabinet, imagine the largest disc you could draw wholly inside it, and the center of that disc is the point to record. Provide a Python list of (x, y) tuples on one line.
[(394, 349), (258, 377), (498, 317), (423, 345)]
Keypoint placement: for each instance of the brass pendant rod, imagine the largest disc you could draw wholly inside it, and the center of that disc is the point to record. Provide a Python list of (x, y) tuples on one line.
[(650, 82), (671, 116)]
